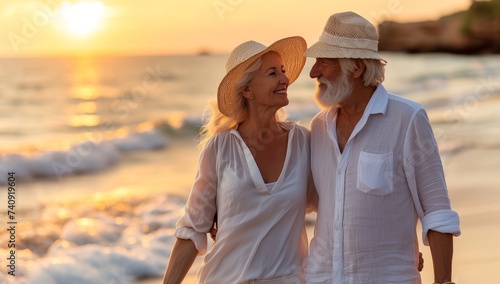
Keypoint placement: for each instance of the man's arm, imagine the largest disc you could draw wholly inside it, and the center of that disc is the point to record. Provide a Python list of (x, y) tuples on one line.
[(183, 255), (442, 253)]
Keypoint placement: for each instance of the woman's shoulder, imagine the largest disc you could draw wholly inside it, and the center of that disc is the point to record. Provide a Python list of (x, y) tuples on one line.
[(303, 129), (218, 139), (299, 129)]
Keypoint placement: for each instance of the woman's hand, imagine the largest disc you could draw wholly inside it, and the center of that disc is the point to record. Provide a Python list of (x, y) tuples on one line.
[(420, 262)]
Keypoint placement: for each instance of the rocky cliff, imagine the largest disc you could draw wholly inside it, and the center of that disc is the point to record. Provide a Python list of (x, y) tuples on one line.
[(474, 31)]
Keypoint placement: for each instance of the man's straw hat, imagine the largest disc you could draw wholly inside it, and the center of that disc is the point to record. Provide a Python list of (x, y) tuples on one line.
[(346, 35), (290, 49)]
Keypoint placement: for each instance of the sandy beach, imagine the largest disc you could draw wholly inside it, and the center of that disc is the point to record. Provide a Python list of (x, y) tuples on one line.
[(474, 191)]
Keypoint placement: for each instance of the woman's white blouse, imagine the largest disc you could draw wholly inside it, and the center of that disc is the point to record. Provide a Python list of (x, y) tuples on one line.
[(261, 233)]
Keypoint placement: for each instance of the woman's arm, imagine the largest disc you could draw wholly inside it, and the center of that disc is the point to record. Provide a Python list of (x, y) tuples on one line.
[(312, 196), (181, 259)]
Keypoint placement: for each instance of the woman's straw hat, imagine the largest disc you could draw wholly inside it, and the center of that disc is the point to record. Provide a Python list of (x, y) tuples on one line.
[(290, 49), (346, 35)]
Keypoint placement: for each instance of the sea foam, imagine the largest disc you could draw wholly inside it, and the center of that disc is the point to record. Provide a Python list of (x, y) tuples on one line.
[(83, 157), (96, 243)]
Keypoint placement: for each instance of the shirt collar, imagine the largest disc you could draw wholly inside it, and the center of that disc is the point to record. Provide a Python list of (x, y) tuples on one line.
[(378, 102)]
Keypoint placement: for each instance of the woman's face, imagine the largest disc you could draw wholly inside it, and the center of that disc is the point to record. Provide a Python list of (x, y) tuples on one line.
[(269, 86)]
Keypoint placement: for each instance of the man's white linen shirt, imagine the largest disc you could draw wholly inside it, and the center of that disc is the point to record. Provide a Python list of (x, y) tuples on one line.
[(372, 194), (261, 232)]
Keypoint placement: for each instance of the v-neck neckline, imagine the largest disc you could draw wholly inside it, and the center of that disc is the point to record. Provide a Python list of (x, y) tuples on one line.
[(254, 169)]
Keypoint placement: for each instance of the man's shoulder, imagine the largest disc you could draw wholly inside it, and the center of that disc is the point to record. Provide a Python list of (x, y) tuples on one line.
[(401, 102), (319, 124), (319, 118)]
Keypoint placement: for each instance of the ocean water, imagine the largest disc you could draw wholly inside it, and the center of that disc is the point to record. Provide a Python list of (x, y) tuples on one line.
[(103, 150)]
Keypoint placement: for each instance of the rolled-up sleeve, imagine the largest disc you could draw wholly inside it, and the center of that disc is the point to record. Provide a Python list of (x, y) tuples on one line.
[(443, 221), (425, 177), (200, 208)]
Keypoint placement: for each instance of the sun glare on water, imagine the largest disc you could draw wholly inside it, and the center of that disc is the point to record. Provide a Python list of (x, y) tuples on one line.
[(82, 18)]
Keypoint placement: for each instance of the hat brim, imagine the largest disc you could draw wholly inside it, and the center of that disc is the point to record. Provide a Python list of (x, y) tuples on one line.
[(291, 50), (324, 50)]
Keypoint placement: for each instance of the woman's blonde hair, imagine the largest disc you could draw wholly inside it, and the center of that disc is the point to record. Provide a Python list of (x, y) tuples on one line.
[(215, 122)]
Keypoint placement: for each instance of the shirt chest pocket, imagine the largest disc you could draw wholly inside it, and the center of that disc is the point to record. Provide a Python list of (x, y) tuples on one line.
[(375, 173)]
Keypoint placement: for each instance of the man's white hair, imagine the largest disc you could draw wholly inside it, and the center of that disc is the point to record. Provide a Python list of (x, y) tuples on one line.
[(374, 73)]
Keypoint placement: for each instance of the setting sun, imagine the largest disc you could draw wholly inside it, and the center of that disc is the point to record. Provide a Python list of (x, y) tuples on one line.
[(82, 18)]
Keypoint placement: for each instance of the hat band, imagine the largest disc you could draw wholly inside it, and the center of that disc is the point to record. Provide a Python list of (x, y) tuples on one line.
[(349, 42)]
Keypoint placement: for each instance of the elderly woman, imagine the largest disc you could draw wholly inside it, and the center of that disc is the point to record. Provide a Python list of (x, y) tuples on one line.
[(254, 175)]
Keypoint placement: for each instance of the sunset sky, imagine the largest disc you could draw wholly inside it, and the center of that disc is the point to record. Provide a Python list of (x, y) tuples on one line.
[(72, 27)]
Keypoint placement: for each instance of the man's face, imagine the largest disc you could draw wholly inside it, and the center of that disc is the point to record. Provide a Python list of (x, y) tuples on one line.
[(334, 86)]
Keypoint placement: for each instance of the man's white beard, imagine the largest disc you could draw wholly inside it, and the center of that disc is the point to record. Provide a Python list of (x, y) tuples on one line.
[(335, 92)]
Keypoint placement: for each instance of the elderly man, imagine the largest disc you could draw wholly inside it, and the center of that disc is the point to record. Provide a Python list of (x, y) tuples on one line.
[(376, 167)]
